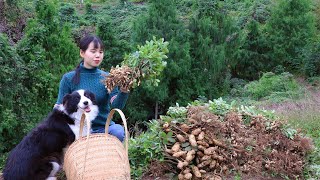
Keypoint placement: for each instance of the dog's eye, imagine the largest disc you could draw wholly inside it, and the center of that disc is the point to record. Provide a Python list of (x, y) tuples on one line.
[(87, 95)]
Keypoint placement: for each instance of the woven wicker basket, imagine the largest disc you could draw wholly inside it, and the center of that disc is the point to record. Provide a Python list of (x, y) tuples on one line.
[(98, 156)]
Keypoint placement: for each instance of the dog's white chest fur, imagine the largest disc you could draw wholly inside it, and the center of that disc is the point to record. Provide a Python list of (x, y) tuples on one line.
[(76, 127)]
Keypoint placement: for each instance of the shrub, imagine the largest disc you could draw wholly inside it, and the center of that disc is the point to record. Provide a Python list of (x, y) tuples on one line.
[(146, 147), (68, 14), (272, 86), (312, 65), (15, 99), (48, 52), (290, 28)]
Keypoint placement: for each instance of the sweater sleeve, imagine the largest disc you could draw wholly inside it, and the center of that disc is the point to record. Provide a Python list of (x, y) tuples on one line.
[(64, 89), (120, 98)]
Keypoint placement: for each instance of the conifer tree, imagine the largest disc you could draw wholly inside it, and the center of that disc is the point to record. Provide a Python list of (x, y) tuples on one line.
[(252, 58), (68, 14), (290, 28), (15, 99), (114, 48), (161, 21), (312, 59), (48, 52), (213, 45)]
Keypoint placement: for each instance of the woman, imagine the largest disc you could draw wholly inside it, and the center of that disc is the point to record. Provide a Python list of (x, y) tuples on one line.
[(89, 77)]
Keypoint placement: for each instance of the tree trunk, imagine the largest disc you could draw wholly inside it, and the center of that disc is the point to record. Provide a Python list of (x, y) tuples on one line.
[(156, 111)]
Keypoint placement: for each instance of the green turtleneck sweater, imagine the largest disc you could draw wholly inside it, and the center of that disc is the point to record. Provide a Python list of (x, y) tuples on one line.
[(91, 79)]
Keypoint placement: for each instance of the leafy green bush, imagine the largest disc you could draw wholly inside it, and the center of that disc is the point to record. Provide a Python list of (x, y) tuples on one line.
[(312, 65), (15, 99), (220, 107), (8, 127), (114, 48), (272, 86), (90, 14), (177, 112), (67, 13), (48, 52), (122, 18), (290, 28), (146, 147)]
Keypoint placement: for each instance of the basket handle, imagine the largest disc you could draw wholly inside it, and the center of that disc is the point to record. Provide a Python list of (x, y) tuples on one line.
[(83, 117), (107, 125), (124, 123)]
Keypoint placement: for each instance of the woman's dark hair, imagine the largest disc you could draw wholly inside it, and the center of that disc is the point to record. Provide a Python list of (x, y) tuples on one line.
[(83, 45)]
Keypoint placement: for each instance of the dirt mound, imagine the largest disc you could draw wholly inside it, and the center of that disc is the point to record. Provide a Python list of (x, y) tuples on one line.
[(209, 146)]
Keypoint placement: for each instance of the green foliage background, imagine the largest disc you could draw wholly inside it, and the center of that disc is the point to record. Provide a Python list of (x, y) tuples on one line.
[(252, 49)]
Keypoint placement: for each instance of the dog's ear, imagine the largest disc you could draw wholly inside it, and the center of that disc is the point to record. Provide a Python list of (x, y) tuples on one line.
[(66, 99), (70, 102)]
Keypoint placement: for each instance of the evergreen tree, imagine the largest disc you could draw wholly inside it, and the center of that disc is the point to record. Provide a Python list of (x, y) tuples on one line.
[(114, 48), (68, 14), (15, 99), (252, 58), (213, 45), (48, 52), (161, 21), (90, 14), (290, 28), (312, 58)]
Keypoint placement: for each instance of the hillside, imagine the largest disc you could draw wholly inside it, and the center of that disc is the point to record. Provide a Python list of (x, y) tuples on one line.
[(261, 53)]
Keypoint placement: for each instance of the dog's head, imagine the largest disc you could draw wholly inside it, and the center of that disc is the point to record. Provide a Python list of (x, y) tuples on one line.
[(78, 102)]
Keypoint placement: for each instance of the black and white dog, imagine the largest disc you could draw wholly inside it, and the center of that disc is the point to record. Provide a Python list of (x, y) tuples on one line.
[(38, 156)]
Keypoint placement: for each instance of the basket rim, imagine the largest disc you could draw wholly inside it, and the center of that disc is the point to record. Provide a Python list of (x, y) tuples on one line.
[(82, 139)]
